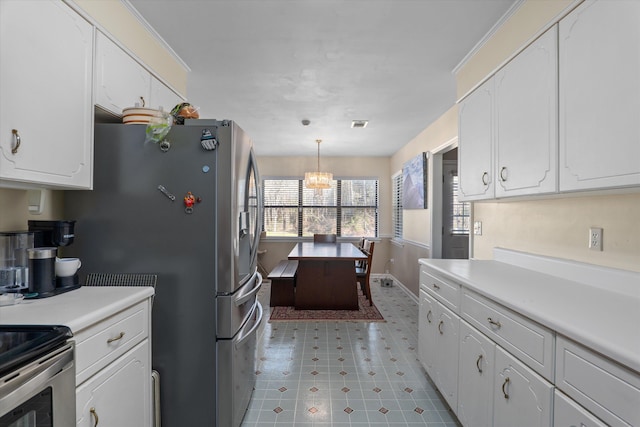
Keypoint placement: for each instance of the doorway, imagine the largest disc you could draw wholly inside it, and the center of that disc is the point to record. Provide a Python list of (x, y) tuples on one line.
[(450, 218), (455, 214)]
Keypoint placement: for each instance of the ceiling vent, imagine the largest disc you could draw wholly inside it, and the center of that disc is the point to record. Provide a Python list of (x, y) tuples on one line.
[(359, 123)]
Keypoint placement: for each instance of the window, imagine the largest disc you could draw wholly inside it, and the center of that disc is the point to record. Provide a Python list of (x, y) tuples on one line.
[(349, 208), (396, 212), (461, 212)]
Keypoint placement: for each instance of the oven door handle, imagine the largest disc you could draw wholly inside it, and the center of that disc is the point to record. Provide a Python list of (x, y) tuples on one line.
[(242, 337), (246, 296)]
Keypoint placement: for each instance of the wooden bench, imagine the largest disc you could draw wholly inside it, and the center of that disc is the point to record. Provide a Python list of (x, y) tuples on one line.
[(283, 282)]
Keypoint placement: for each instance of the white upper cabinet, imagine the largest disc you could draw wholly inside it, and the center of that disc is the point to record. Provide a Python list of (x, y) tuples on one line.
[(508, 127), (46, 115), (162, 97), (526, 106), (475, 135), (600, 96), (121, 82)]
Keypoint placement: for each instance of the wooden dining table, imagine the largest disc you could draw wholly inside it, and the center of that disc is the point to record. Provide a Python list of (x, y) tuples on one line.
[(326, 277)]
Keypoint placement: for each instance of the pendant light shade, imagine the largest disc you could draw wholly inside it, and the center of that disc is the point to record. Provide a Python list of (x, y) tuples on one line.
[(317, 179)]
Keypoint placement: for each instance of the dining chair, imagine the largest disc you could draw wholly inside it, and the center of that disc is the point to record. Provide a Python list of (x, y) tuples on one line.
[(363, 273), (325, 238)]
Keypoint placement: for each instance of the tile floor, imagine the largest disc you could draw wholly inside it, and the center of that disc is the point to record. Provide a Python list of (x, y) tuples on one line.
[(345, 373)]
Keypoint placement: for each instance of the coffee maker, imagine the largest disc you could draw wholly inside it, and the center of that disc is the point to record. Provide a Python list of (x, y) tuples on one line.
[(52, 235)]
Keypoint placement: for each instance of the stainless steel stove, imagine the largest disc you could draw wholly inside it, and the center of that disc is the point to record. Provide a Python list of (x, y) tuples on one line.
[(37, 376)]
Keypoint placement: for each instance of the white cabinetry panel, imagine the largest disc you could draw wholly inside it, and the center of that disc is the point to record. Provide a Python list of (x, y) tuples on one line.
[(606, 389), (46, 54), (566, 412), (475, 381), (121, 82), (475, 135), (599, 66), (521, 397), (526, 97), (119, 394)]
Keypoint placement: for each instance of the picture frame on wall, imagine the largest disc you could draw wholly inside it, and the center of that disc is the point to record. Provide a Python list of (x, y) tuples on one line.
[(414, 182)]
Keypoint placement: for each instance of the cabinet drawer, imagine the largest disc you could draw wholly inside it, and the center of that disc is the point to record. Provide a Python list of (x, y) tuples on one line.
[(531, 343), (566, 412), (448, 293), (603, 387), (102, 343)]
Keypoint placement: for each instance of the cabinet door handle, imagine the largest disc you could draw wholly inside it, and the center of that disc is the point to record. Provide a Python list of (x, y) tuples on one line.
[(436, 287), (16, 138), (495, 323), (485, 178), (478, 365), (95, 416), (119, 337), (429, 316), (440, 327), (503, 174), (504, 388)]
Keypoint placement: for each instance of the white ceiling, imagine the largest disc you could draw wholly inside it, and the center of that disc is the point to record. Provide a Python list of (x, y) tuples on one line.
[(269, 64)]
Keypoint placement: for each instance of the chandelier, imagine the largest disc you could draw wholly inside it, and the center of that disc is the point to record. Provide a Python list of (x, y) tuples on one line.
[(318, 180)]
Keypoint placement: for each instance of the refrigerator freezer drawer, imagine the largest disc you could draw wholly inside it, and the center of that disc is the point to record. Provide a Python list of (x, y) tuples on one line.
[(236, 371)]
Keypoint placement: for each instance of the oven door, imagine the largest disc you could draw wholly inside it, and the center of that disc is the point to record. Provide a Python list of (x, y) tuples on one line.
[(41, 393)]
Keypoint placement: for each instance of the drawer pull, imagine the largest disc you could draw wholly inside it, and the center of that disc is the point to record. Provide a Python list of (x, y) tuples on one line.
[(16, 137), (440, 327), (504, 388), (95, 415), (119, 337), (485, 178), (478, 363), (436, 287), (503, 174), (495, 323), (429, 316)]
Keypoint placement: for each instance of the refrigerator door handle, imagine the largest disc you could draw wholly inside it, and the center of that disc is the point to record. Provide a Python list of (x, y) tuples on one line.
[(242, 337), (245, 296)]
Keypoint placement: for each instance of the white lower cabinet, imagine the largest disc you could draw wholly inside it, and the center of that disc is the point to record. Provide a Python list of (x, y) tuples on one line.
[(438, 346), (118, 394), (113, 370), (475, 377), (568, 413), (521, 397)]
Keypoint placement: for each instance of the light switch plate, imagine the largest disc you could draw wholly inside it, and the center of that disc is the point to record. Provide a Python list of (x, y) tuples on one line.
[(477, 228)]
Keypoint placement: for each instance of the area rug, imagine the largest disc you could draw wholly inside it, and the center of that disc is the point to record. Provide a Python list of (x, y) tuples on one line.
[(365, 313)]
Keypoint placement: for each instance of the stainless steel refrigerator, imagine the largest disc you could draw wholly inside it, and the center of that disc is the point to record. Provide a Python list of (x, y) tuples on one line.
[(187, 210)]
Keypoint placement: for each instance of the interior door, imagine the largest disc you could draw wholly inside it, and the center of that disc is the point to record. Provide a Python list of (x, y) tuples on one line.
[(455, 215)]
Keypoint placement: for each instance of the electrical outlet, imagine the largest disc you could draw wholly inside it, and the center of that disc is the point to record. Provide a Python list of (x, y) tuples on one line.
[(477, 228), (595, 239)]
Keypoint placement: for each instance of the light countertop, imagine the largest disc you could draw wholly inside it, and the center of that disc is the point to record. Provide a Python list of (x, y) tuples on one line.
[(77, 309), (602, 319)]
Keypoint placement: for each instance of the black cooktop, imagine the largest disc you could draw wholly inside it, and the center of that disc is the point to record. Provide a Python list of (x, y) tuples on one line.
[(20, 344)]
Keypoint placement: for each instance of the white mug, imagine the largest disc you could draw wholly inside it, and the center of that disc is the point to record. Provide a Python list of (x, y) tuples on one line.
[(66, 267)]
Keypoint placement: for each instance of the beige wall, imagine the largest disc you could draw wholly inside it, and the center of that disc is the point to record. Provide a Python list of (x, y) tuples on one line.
[(528, 21), (14, 210), (555, 227), (341, 167), (416, 223)]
